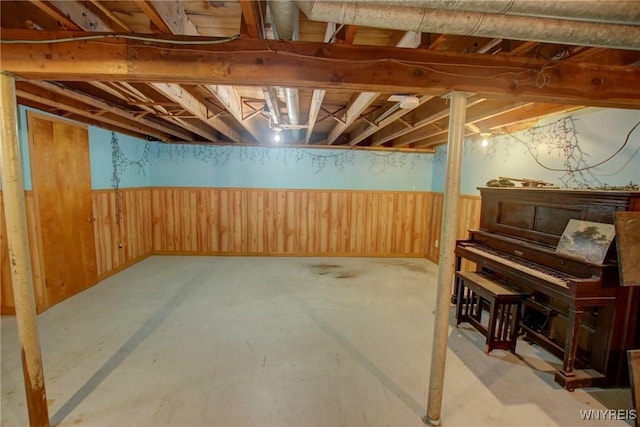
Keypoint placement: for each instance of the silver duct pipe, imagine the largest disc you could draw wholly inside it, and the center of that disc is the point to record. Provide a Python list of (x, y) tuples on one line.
[(546, 30), (285, 20), (603, 11)]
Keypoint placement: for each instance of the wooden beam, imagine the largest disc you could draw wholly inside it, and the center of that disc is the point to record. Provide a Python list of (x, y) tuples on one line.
[(76, 12), (168, 16), (347, 34), (127, 93), (46, 94), (355, 109), (50, 9), (228, 96), (191, 104), (519, 50), (79, 16), (160, 129), (524, 114), (171, 18), (112, 16), (314, 109), (318, 94), (475, 112), (499, 121), (422, 116), (365, 99), (371, 129), (324, 66), (253, 13), (20, 258)]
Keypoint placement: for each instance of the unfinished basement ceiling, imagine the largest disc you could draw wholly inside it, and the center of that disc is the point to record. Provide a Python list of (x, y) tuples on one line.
[(322, 73)]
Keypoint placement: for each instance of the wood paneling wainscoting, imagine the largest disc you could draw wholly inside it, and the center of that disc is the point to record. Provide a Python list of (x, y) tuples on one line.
[(133, 234), (289, 222), (268, 222), (119, 245), (302, 222), (468, 218), (37, 267)]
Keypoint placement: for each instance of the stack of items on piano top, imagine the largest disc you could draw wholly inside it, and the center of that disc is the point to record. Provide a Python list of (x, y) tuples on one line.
[(573, 306), (524, 182)]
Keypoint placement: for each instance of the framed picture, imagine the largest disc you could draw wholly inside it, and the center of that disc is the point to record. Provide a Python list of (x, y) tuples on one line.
[(586, 240)]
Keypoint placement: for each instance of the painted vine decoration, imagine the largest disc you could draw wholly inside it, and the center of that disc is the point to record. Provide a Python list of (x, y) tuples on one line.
[(320, 161), (120, 163)]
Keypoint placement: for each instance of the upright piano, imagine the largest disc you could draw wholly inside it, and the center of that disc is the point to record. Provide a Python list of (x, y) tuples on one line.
[(575, 309)]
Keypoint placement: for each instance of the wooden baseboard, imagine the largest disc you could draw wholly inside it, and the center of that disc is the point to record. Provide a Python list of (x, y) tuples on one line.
[(7, 311), (287, 254), (123, 266)]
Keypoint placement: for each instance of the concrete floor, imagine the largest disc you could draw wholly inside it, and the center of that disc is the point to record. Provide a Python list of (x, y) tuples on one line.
[(203, 341)]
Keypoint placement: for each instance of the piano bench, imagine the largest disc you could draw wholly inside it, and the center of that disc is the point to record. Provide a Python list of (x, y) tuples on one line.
[(475, 291)]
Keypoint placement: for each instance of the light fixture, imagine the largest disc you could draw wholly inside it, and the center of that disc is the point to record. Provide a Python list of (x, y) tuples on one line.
[(485, 139), (406, 102), (276, 134)]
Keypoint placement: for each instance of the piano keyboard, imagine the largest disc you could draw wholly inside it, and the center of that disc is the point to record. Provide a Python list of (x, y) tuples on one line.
[(528, 267)]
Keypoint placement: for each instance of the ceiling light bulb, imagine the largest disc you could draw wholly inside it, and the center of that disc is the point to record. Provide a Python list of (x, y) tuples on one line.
[(276, 137), (485, 139)]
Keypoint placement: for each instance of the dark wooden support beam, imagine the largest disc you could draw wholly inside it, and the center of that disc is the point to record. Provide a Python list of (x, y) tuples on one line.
[(253, 13), (318, 65)]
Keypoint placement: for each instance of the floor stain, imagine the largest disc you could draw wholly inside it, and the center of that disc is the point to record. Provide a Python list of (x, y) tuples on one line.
[(334, 270), (346, 275), (410, 265)]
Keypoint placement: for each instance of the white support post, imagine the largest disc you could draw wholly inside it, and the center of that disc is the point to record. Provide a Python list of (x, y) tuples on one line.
[(19, 255), (446, 268)]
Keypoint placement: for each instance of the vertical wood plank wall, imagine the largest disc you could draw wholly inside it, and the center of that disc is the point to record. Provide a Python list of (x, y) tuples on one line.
[(121, 245), (289, 222), (250, 222), (468, 218), (134, 236)]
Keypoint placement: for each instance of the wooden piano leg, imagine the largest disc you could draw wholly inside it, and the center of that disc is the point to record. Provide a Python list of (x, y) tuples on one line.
[(566, 376), (571, 346), (454, 296), (459, 287)]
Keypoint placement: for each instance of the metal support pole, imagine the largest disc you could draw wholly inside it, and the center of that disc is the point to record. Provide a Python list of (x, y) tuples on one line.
[(19, 256), (446, 268)]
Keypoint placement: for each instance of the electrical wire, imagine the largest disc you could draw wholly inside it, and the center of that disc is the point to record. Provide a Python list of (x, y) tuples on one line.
[(535, 157), (122, 36), (419, 64)]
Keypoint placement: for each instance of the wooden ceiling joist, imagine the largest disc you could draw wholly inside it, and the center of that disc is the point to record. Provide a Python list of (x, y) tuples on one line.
[(253, 13), (168, 16), (175, 132), (368, 130), (424, 115), (474, 113), (364, 99), (128, 92), (79, 109), (191, 104), (303, 64)]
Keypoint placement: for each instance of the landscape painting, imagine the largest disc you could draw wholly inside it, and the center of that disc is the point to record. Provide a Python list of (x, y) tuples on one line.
[(586, 240)]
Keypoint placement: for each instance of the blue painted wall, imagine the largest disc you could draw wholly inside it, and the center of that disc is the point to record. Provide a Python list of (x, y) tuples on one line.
[(134, 163), (594, 135), (578, 140), (281, 167), (100, 156)]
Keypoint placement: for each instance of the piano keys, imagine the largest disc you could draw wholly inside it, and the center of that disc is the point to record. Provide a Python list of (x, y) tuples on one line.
[(577, 310)]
